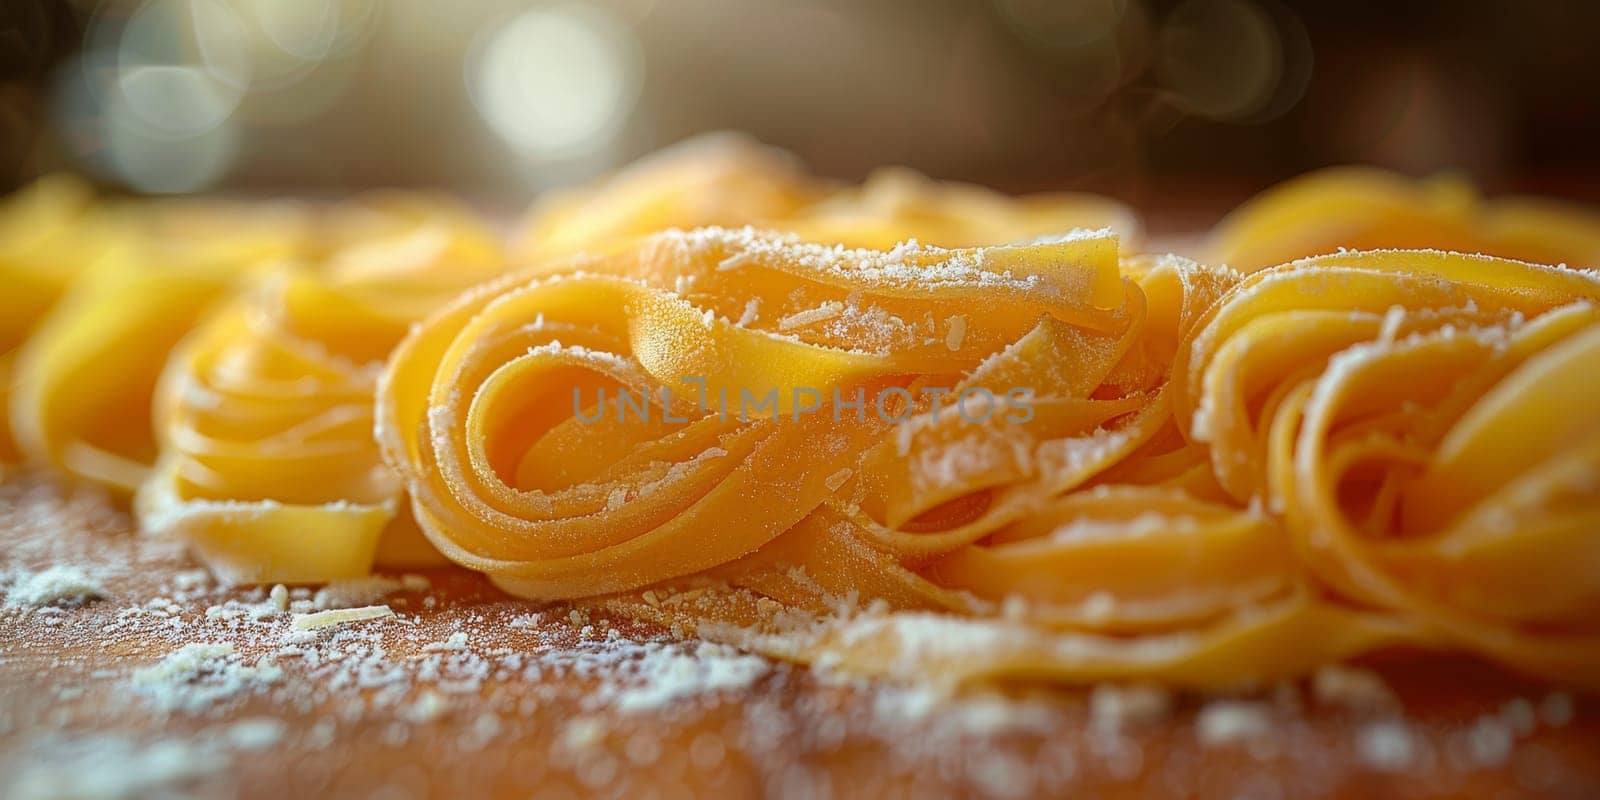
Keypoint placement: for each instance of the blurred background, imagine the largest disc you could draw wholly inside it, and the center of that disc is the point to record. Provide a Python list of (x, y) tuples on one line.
[(1180, 105)]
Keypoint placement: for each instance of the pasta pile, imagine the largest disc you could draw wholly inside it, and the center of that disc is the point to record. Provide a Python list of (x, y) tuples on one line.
[(268, 467), (266, 326), (1316, 511), (45, 241), (103, 293), (714, 179), (1361, 208), (730, 181), (909, 429)]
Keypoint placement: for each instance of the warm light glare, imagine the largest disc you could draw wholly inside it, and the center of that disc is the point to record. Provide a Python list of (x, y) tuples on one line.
[(556, 81), (151, 162), (306, 29), (178, 101), (222, 42), (1223, 59)]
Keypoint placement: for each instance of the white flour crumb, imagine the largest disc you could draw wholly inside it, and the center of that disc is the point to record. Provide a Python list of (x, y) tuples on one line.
[(530, 620), (671, 674), (255, 734), (1230, 722), (1519, 714), (1556, 709), (199, 676), (938, 714), (484, 729), (355, 592), (1113, 707), (583, 733), (428, 706), (1488, 742), (58, 584), (1386, 745), (456, 641), (112, 768), (191, 579), (1352, 688)]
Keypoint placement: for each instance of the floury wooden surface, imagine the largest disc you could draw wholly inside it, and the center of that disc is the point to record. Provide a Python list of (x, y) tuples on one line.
[(170, 686)]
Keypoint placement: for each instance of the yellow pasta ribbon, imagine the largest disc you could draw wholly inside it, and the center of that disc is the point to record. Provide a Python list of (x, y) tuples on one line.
[(911, 428), (82, 382), (714, 179), (268, 466), (1084, 539), (1360, 208), (898, 204), (264, 464), (1425, 425), (729, 181), (49, 233)]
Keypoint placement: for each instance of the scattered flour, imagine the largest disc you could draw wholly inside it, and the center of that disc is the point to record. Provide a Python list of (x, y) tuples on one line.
[(1386, 745), (255, 734), (456, 641), (57, 584), (1352, 688), (417, 669), (199, 676), (1557, 709), (114, 768), (671, 674), (1114, 707), (356, 592), (1232, 722), (1488, 741)]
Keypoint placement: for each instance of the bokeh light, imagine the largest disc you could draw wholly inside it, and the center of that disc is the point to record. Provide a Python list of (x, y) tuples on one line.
[(1220, 58), (505, 98), (145, 159), (304, 29), (175, 101), (150, 102), (556, 82), (222, 42)]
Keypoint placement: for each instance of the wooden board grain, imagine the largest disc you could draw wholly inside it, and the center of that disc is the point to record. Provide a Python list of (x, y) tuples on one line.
[(470, 693)]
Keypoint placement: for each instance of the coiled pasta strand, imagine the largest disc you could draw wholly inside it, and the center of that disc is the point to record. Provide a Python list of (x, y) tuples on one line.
[(47, 236), (1089, 540), (899, 429), (1425, 423), (268, 468), (106, 311), (1361, 208)]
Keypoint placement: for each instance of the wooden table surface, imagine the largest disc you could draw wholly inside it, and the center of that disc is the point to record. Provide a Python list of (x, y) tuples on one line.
[(469, 693)]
